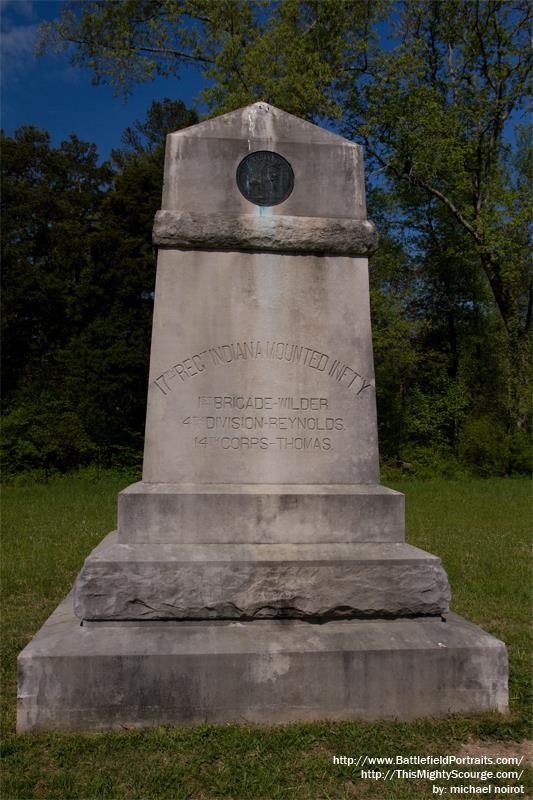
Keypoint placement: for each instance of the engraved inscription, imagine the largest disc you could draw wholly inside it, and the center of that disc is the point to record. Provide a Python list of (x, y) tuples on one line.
[(305, 427), (296, 443), (265, 178), (259, 403), (294, 354), (260, 423)]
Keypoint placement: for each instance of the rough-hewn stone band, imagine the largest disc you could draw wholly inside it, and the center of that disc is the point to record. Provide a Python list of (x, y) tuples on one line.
[(252, 581), (347, 237)]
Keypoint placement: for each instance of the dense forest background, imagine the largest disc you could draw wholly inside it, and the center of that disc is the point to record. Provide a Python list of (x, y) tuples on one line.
[(439, 109)]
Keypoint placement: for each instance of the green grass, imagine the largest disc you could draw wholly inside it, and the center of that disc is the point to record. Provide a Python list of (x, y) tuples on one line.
[(480, 529)]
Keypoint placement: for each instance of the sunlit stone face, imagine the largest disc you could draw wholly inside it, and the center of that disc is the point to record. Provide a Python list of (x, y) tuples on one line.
[(261, 366), (261, 370)]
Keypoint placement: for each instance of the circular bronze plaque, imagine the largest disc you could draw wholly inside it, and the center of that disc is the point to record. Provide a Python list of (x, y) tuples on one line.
[(265, 178)]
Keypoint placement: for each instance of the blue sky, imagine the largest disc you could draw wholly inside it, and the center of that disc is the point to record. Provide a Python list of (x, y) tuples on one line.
[(49, 93)]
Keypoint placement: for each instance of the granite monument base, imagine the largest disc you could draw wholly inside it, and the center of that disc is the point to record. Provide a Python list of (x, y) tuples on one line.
[(228, 513), (104, 675), (319, 581)]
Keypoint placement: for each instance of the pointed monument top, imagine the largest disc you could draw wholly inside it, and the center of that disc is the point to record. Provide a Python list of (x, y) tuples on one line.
[(317, 173), (261, 121)]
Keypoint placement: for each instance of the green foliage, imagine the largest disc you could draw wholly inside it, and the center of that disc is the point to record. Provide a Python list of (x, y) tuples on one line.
[(434, 418), (148, 136), (51, 198), (436, 113), (489, 449), (44, 434), (78, 284), (439, 349), (78, 392), (288, 53), (435, 108)]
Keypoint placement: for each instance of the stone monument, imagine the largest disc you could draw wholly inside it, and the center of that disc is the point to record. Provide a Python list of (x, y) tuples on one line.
[(259, 571)]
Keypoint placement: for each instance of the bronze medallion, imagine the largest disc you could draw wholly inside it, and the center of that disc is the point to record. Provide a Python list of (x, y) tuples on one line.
[(265, 178)]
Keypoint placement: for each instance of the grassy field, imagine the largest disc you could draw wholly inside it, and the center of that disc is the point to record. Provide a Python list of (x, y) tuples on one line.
[(480, 529)]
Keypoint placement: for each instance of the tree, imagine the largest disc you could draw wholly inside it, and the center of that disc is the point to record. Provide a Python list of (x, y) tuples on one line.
[(437, 108), (106, 366), (78, 281), (50, 211), (434, 108), (289, 53), (435, 112), (148, 136), (51, 200)]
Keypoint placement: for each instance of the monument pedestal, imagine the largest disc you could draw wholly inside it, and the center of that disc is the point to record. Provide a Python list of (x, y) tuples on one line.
[(102, 675), (259, 571), (316, 581), (259, 551), (261, 513)]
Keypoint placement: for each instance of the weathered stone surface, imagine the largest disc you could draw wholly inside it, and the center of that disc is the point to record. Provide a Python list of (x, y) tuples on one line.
[(261, 368), (252, 581), (230, 513), (201, 165), (248, 232), (261, 371), (115, 675)]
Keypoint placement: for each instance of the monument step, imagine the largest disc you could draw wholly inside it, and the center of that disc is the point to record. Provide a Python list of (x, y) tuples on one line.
[(231, 513), (118, 675), (251, 581)]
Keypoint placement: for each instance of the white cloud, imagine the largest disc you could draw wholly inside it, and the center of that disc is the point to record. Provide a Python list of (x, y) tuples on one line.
[(18, 32), (22, 8), (16, 46), (21, 38)]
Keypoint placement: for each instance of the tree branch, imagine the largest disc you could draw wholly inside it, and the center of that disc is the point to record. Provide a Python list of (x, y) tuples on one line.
[(141, 49), (417, 181)]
